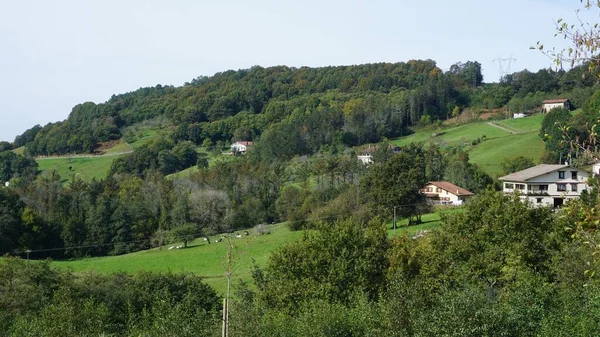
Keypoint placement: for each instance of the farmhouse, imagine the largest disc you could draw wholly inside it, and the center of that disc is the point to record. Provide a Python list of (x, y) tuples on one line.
[(365, 158), (547, 184), (550, 104), (445, 193), (240, 147)]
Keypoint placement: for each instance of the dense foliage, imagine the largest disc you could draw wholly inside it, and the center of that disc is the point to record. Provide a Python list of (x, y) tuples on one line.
[(496, 269), (129, 212), (349, 105), (38, 300)]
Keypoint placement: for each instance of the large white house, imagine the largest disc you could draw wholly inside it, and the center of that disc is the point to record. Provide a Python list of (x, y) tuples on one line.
[(547, 184), (444, 193), (550, 104)]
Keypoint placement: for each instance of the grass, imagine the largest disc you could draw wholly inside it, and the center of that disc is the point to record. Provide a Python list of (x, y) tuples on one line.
[(144, 136), (521, 139), (527, 124), (20, 150), (489, 154), (205, 259), (212, 160), (199, 258), (120, 147), (85, 168), (429, 221)]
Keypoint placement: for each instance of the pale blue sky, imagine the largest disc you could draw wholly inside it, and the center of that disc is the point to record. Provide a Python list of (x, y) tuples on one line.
[(55, 54)]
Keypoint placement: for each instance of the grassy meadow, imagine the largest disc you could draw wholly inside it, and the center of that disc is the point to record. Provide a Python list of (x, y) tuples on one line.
[(85, 168), (206, 259), (513, 137)]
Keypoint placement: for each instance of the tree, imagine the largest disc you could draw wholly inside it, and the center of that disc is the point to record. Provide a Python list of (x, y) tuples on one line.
[(186, 233), (552, 131), (317, 268), (396, 183), (583, 38), (514, 164)]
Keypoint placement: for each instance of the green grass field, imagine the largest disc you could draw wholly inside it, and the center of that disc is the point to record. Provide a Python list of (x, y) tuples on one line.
[(205, 259), (85, 168), (120, 147), (19, 150), (144, 136), (521, 139), (200, 258)]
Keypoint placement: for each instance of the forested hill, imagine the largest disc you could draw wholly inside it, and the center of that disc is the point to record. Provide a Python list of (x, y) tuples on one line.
[(311, 106)]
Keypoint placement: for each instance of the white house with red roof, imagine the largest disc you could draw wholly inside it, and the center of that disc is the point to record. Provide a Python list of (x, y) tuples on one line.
[(240, 147), (445, 193), (550, 104)]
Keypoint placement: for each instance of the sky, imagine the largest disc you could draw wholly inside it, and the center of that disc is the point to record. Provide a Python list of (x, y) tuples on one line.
[(56, 54)]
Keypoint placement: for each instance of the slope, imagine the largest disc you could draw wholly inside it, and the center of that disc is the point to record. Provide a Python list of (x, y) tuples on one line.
[(503, 139)]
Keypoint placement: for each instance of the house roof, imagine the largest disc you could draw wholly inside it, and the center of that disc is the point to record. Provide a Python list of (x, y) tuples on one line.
[(532, 172), (243, 142), (558, 100), (450, 187)]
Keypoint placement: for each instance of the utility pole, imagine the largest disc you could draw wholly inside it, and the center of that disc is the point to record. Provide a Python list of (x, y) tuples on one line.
[(504, 66), (394, 221)]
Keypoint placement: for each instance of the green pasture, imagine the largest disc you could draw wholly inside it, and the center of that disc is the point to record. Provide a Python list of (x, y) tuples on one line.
[(119, 147), (85, 168), (19, 150), (521, 139), (199, 258), (206, 259)]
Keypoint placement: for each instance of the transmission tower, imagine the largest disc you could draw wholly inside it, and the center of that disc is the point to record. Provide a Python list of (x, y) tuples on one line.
[(504, 65)]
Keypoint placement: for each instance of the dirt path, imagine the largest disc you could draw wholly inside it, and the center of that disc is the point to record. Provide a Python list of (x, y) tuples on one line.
[(512, 132), (84, 156)]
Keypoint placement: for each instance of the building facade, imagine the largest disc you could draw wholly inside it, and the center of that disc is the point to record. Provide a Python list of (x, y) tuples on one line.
[(547, 185), (445, 193), (550, 104)]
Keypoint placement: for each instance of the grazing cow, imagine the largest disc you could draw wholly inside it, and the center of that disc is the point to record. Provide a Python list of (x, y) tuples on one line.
[(246, 233), (238, 235), (171, 247), (218, 240)]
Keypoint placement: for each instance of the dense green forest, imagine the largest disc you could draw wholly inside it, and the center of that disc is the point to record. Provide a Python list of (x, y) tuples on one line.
[(494, 269), (348, 105)]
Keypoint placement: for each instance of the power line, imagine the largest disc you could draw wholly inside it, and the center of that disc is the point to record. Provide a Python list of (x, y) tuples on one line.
[(504, 65)]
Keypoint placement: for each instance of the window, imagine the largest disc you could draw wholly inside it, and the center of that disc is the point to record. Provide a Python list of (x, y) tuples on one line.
[(428, 189), (538, 200), (561, 174), (520, 186), (574, 175), (543, 187), (574, 187), (509, 185), (561, 187), (438, 189)]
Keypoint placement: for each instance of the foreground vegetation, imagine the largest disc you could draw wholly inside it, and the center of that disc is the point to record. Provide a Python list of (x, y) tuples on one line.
[(508, 278)]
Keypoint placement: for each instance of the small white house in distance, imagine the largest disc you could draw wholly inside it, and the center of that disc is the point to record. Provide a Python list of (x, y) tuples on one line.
[(547, 185), (550, 104), (240, 147), (519, 115), (445, 193), (596, 169), (365, 158)]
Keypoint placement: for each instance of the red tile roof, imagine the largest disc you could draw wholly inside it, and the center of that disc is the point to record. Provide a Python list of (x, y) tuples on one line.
[(243, 142), (558, 100), (450, 187)]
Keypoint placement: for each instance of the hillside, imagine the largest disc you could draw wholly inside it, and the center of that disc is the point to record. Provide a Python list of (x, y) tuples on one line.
[(503, 139), (205, 259)]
